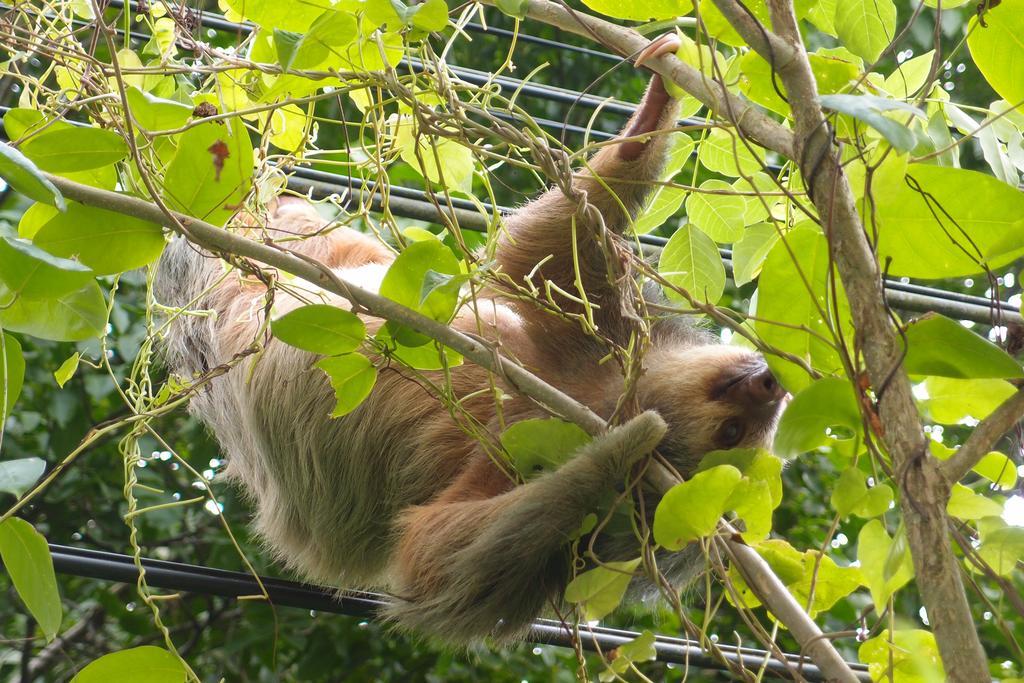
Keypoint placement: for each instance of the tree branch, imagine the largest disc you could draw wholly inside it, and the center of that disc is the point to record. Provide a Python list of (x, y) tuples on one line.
[(984, 438), (778, 599), (625, 41), (924, 488)]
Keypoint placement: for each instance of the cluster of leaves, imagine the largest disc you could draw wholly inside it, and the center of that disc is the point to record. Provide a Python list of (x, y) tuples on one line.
[(205, 134)]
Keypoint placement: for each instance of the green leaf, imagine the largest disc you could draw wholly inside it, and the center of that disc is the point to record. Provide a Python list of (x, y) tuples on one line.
[(980, 223), (1002, 546), (998, 469), (966, 504), (201, 181), (26, 558), (440, 160), (691, 509), (754, 463), (106, 241), (420, 353), (405, 279), (517, 9), (75, 317), (12, 374), (825, 404), (752, 501), (352, 377), (832, 73), (749, 253), (153, 113), (666, 200), (67, 370), (939, 346), (640, 649), (789, 317), (866, 26), (826, 581), (21, 174), (75, 149), (539, 445), (275, 14), (145, 664), (332, 30), (431, 15), (871, 110), (18, 476), (690, 260), (851, 496), (719, 216), (910, 77), (21, 121), (640, 10), (951, 400), (724, 152), (320, 328), (997, 48), (33, 273), (600, 590), (873, 552), (911, 657)]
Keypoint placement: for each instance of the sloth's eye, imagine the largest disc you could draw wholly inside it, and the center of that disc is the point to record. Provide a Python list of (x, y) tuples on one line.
[(730, 433)]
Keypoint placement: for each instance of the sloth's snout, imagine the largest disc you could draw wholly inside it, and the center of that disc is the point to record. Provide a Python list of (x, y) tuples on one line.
[(761, 387), (753, 386)]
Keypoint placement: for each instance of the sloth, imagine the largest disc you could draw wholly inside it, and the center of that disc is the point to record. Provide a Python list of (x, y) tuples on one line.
[(396, 495)]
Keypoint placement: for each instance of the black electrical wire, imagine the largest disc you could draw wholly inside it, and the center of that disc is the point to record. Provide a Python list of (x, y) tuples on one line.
[(177, 576)]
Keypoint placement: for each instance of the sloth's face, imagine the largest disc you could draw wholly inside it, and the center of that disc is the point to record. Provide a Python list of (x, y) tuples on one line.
[(713, 397)]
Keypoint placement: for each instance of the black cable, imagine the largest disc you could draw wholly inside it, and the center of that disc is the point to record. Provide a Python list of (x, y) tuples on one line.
[(177, 576), (537, 40)]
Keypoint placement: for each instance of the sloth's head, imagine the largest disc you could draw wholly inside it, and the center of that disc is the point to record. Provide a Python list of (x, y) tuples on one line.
[(713, 397)]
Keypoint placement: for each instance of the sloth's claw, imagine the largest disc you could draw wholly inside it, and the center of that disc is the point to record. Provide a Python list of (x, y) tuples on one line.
[(662, 45)]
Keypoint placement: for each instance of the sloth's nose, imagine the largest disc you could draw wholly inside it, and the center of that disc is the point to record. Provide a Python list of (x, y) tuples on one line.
[(762, 387)]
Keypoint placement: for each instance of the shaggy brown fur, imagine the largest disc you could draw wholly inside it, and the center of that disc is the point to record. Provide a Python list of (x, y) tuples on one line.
[(396, 495)]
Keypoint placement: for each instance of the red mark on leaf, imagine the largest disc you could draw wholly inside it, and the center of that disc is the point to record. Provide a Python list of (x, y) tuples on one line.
[(220, 152)]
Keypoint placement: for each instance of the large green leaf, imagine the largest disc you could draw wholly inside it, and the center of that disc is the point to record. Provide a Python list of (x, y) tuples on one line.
[(331, 30), (18, 476), (794, 319), (106, 241), (600, 590), (289, 16), (539, 445), (75, 317), (21, 174), (749, 253), (691, 510), (871, 110), (211, 172), (352, 377), (719, 216), (404, 281), (998, 47), (952, 400), (725, 152), (75, 149), (154, 113), (959, 222), (640, 10), (939, 346), (32, 273), (145, 664), (866, 26), (319, 328), (885, 564), (12, 374), (26, 558), (805, 425), (906, 656), (691, 261)]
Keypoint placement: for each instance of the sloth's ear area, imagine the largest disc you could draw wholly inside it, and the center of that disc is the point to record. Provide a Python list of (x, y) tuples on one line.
[(658, 108)]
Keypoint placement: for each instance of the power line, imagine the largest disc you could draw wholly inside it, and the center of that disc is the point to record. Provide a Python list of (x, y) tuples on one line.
[(177, 576)]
